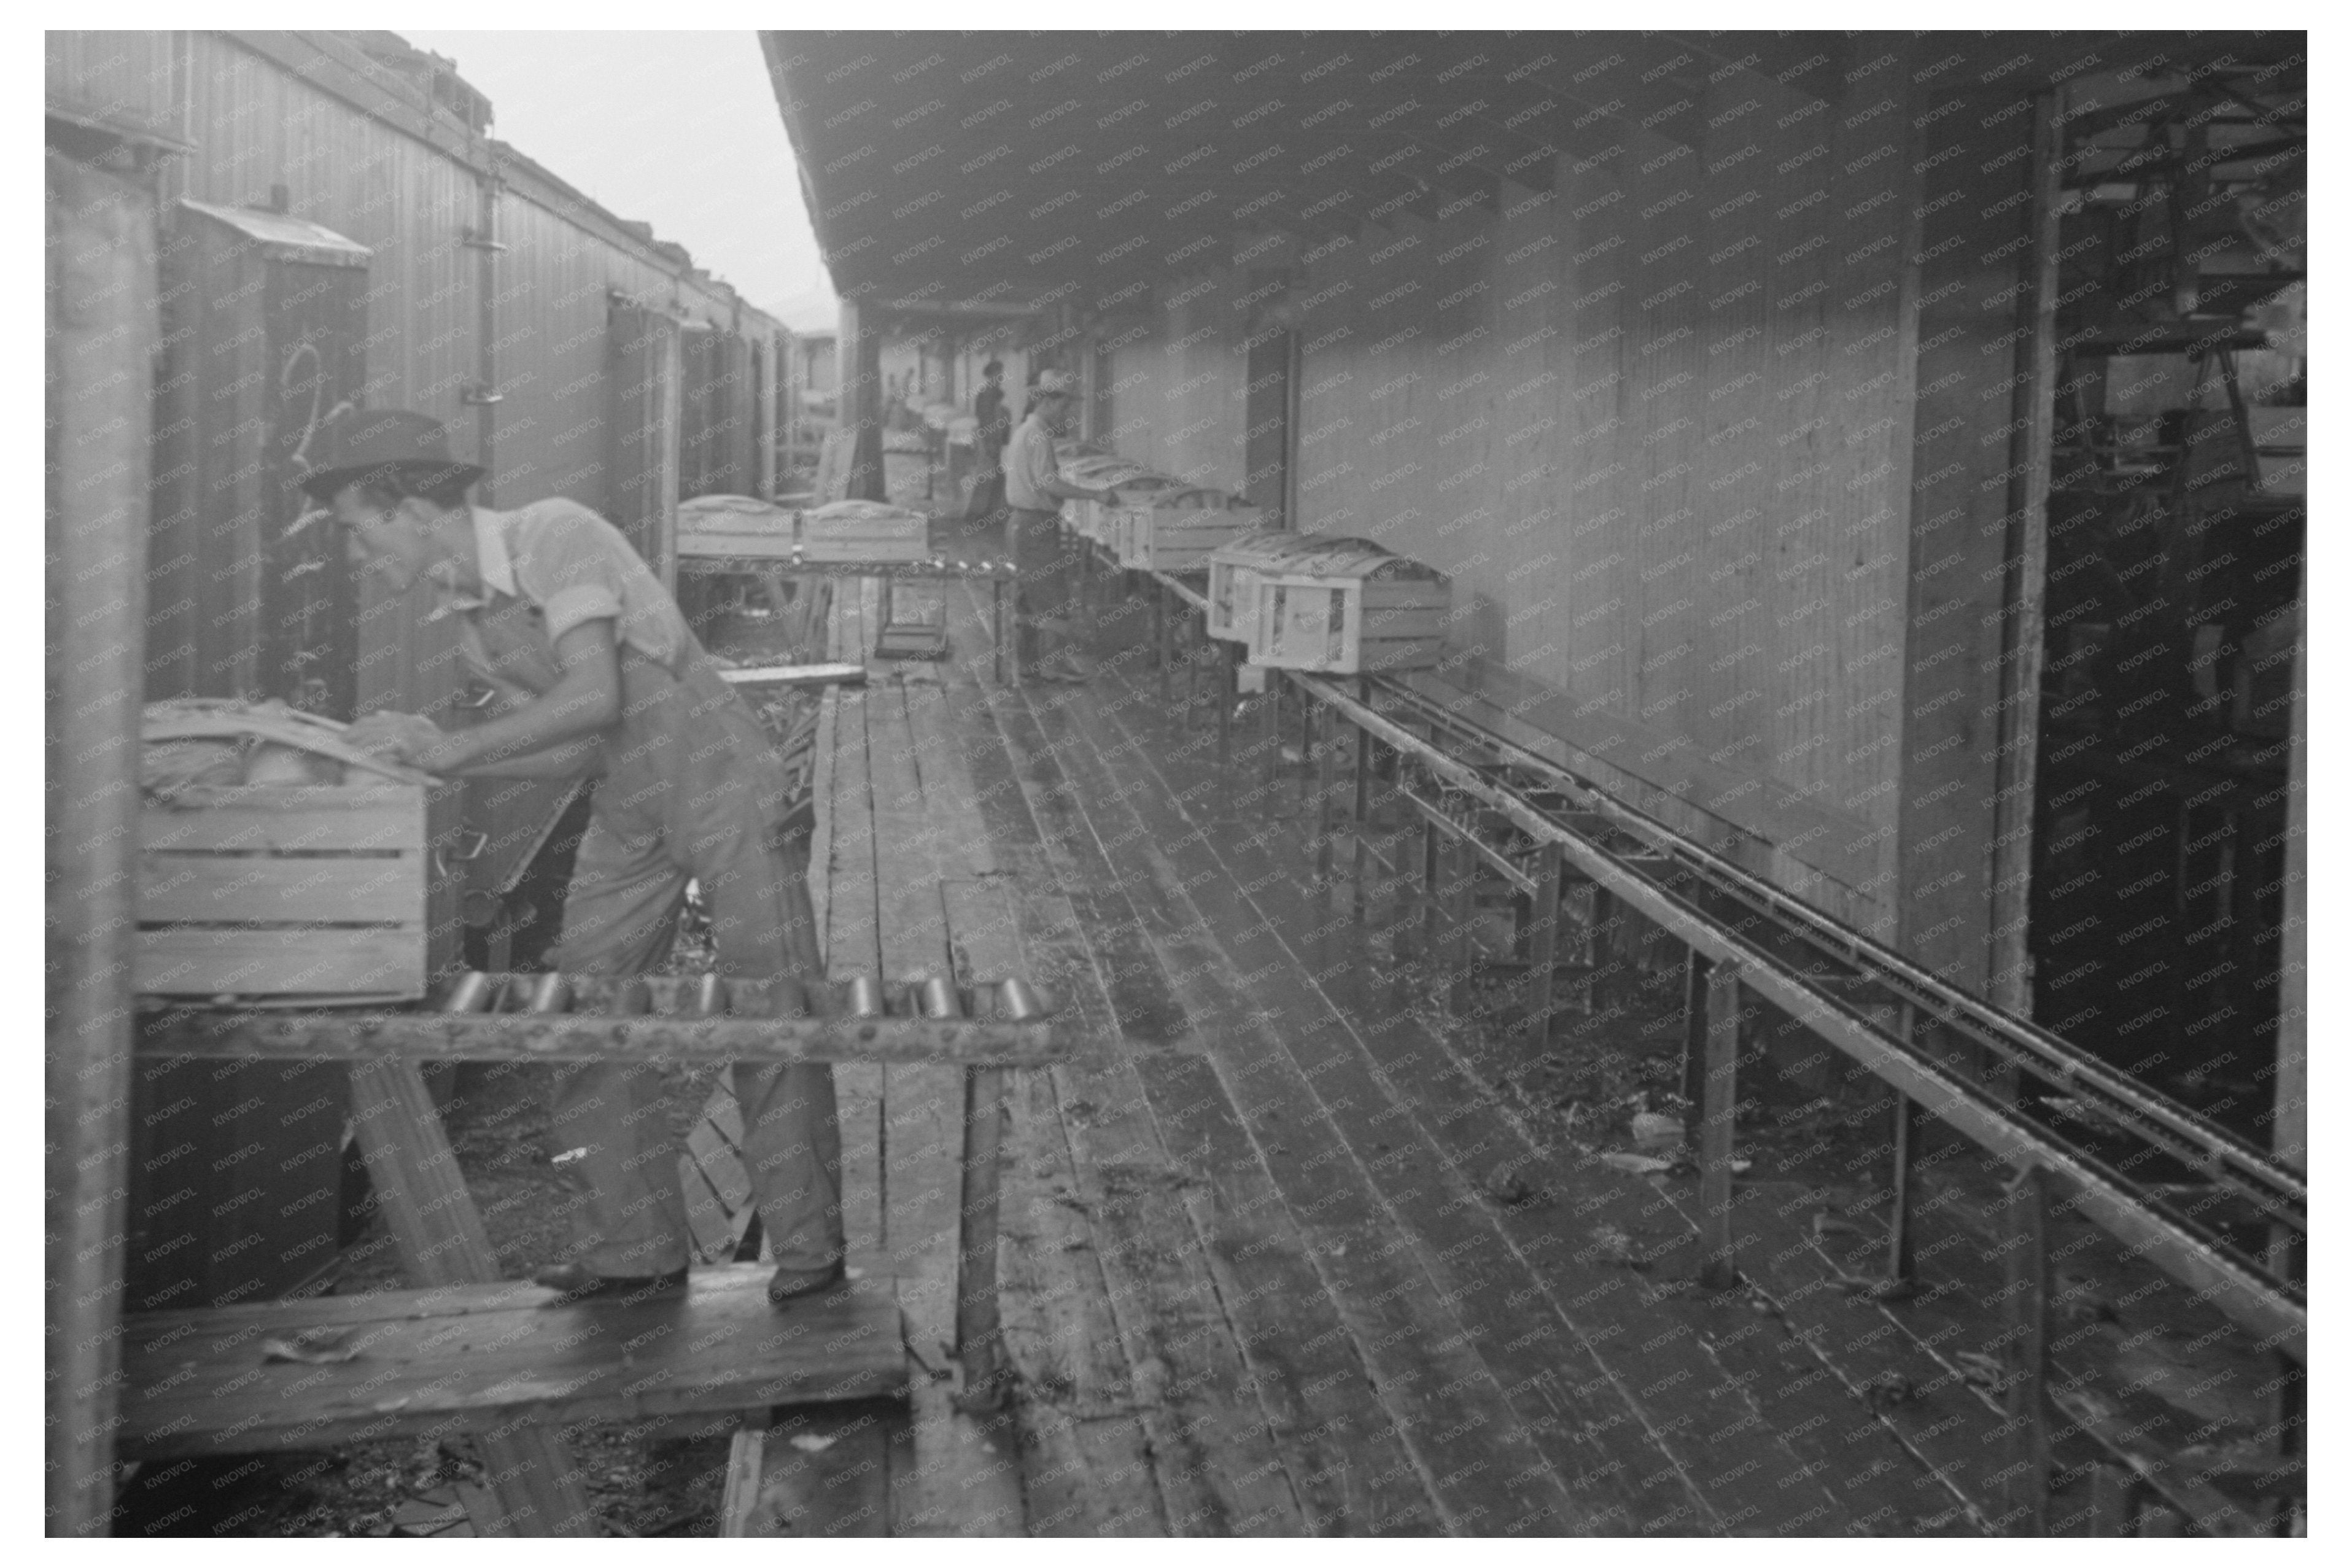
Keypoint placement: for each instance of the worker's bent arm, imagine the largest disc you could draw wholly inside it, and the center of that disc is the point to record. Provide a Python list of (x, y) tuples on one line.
[(565, 759), (584, 703)]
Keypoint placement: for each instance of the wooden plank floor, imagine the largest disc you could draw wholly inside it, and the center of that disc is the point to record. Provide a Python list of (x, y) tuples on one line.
[(1252, 1280)]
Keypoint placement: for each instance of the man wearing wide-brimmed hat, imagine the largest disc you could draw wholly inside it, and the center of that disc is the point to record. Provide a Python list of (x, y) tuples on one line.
[(596, 670), (1033, 490)]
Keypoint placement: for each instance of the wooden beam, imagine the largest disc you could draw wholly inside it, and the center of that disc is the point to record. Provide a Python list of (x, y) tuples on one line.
[(2011, 982), (102, 337), (580, 1037), (536, 1488), (499, 1354)]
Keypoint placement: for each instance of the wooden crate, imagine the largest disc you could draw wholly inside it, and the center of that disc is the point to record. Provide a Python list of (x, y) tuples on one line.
[(864, 530), (722, 527), (1094, 470), (1136, 490), (299, 893), (1176, 530), (1350, 609), (1236, 566)]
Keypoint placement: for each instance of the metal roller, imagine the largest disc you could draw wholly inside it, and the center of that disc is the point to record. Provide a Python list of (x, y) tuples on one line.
[(472, 992), (864, 997), (548, 993), (1017, 999), (937, 997), (707, 998)]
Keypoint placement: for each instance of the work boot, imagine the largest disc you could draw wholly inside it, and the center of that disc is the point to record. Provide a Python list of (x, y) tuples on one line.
[(576, 1282), (797, 1284)]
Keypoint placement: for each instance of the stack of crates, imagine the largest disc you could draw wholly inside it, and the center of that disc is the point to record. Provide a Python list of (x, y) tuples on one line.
[(1178, 530), (1349, 609)]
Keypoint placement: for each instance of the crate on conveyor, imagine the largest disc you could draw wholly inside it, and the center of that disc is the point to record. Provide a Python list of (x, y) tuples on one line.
[(1236, 566), (864, 530), (1094, 470), (1349, 608), (736, 527), (1176, 529), (279, 865), (1134, 490)]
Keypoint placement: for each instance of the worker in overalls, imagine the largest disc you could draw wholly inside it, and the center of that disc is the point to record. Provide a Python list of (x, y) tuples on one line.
[(1043, 564), (597, 671)]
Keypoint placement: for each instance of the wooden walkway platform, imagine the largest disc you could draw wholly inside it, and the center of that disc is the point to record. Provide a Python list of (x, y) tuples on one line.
[(1256, 1276)]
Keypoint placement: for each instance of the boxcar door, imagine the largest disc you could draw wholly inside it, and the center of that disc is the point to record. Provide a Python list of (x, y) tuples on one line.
[(316, 319), (643, 486)]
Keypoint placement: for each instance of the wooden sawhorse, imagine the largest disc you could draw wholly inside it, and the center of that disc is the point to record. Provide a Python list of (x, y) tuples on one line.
[(467, 1352)]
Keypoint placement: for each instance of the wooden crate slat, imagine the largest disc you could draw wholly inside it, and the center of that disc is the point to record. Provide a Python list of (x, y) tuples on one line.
[(388, 890), (190, 1378), (196, 961), (254, 818)]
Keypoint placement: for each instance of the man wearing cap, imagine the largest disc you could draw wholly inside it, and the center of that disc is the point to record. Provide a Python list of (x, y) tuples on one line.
[(1034, 486), (597, 671)]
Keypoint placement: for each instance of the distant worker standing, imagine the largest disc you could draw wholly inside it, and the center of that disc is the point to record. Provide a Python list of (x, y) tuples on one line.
[(596, 672), (1034, 486), (994, 424)]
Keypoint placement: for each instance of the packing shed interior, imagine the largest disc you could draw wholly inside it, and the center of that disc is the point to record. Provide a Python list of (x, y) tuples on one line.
[(1721, 371)]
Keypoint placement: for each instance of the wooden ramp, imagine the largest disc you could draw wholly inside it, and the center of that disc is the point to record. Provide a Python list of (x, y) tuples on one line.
[(476, 1356)]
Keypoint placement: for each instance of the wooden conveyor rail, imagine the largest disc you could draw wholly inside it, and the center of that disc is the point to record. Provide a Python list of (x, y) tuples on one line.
[(2269, 1305), (1472, 772)]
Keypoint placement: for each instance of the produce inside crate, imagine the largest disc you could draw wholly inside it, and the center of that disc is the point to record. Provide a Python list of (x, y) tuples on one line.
[(1175, 530), (1350, 609), (279, 865)]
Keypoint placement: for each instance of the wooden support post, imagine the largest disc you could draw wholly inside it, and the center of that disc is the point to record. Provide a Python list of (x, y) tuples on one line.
[(2028, 1291), (1462, 905), (2113, 1502), (423, 1197), (1161, 625), (100, 344), (1229, 681), (858, 353), (1910, 1124), (1718, 1270), (1324, 726), (978, 1338), (1430, 867), (1543, 943), (1694, 970), (1599, 932)]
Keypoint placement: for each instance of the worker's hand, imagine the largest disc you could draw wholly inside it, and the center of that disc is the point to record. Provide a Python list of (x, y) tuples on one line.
[(409, 738)]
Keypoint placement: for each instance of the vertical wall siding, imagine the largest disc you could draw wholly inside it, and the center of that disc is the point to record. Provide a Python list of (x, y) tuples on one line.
[(256, 125), (1653, 422), (1177, 396)]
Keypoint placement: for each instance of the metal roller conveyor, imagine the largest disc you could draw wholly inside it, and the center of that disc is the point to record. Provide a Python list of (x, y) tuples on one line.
[(590, 1017)]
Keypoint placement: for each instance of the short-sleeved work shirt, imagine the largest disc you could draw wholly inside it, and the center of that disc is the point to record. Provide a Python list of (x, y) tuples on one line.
[(1029, 466), (548, 567)]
